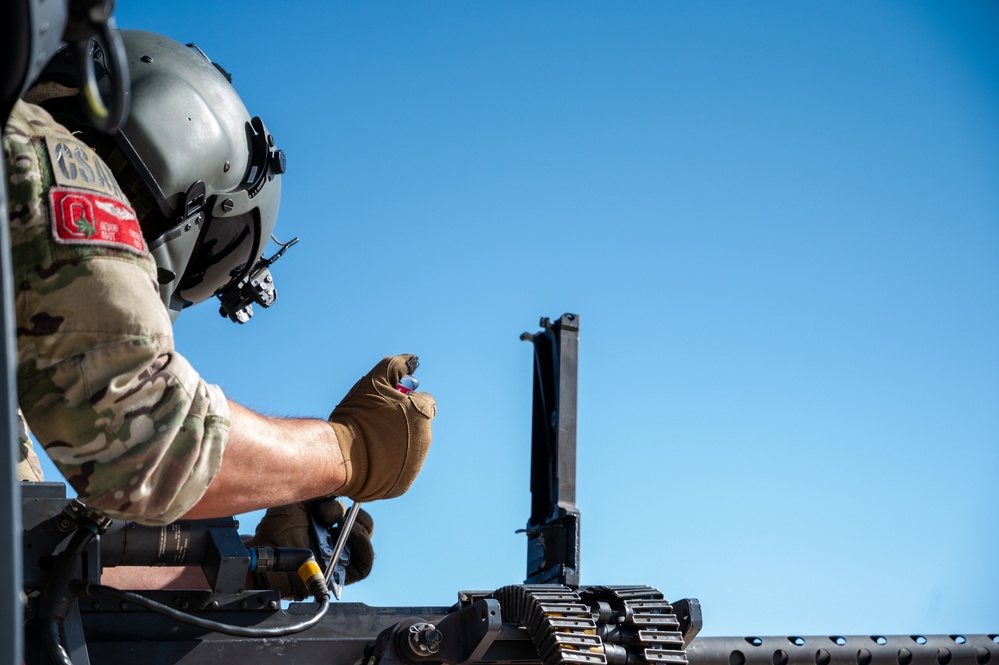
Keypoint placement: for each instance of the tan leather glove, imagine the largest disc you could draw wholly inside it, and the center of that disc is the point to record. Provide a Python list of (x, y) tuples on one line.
[(288, 526), (384, 434)]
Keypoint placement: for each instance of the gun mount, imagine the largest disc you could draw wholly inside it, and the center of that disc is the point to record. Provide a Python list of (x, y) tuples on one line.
[(549, 620)]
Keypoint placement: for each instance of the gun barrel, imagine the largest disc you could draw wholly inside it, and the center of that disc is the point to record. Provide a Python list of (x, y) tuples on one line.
[(846, 650)]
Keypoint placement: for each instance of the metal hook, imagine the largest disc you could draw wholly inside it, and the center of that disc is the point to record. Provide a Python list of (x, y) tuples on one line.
[(87, 21)]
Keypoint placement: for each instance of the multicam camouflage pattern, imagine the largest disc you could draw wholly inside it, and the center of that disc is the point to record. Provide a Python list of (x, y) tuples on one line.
[(126, 419)]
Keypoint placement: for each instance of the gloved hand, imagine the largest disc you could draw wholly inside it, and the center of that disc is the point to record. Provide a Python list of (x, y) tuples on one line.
[(288, 526), (384, 435)]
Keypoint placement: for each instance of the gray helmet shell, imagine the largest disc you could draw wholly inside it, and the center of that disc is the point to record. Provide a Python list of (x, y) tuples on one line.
[(210, 167)]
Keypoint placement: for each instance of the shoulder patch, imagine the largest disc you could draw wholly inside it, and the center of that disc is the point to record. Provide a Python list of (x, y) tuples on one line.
[(81, 217), (75, 164)]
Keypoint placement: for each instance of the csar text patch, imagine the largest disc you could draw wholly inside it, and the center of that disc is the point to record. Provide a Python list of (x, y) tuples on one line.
[(74, 164), (81, 217)]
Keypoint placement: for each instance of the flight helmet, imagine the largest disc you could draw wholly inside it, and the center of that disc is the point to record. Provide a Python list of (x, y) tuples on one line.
[(203, 175)]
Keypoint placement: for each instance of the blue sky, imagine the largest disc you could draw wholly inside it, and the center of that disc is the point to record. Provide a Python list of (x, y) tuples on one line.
[(779, 223)]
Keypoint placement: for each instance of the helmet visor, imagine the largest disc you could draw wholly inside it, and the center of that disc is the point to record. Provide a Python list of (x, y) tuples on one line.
[(226, 251)]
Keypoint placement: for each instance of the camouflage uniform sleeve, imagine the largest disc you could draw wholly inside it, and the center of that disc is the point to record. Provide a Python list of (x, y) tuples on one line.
[(126, 419)]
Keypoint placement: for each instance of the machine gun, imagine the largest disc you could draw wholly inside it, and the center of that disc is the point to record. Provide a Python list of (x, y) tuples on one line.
[(550, 619)]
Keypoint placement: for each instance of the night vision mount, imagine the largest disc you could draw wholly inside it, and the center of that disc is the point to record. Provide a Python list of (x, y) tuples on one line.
[(257, 287)]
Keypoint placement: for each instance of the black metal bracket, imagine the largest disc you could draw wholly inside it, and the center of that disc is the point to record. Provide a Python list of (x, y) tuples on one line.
[(226, 560), (688, 613), (553, 528), (76, 515), (461, 637)]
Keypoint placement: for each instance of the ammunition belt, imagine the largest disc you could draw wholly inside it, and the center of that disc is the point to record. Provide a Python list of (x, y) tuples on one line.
[(604, 625)]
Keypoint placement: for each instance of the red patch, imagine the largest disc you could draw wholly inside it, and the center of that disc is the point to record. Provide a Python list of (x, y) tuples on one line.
[(80, 217)]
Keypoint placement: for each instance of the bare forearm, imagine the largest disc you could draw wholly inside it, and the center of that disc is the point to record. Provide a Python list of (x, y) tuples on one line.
[(271, 462)]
